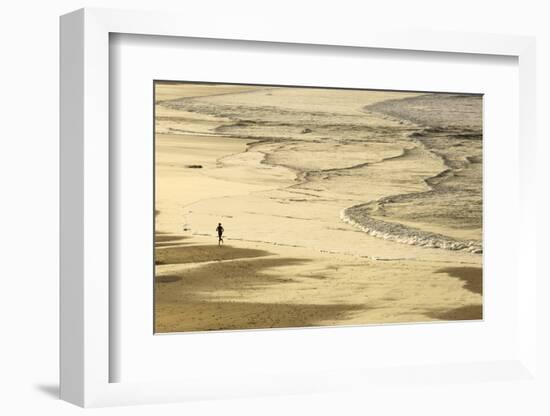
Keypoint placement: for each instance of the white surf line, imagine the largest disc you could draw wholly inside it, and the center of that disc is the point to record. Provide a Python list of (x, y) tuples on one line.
[(446, 242), (406, 234), (421, 238)]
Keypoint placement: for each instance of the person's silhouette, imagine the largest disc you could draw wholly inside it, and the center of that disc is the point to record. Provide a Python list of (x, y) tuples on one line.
[(219, 229)]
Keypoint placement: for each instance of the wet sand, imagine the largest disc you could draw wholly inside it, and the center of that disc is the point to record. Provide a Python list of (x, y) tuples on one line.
[(278, 173)]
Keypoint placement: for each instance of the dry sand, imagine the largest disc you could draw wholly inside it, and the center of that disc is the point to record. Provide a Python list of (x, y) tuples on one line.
[(278, 167)]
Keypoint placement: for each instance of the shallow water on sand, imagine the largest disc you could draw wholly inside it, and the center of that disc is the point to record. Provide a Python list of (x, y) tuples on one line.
[(405, 170)]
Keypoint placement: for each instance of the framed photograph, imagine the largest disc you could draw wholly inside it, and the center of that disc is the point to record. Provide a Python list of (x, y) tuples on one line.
[(273, 212)]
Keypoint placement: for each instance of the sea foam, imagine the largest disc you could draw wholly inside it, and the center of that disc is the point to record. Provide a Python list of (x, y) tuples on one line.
[(400, 233)]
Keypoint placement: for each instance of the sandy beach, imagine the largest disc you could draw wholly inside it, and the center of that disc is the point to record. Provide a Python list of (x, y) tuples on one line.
[(340, 207)]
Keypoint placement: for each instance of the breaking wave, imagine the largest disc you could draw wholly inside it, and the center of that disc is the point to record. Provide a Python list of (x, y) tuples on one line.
[(400, 233)]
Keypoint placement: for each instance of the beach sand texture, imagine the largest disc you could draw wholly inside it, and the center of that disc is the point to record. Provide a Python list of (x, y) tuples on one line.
[(340, 207)]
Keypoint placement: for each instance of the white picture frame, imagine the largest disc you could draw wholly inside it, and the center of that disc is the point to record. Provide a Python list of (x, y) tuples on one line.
[(85, 221)]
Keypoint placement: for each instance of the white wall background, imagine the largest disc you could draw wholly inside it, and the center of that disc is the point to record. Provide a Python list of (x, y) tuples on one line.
[(29, 80)]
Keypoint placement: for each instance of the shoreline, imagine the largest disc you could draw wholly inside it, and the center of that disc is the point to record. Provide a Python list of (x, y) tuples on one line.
[(330, 273)]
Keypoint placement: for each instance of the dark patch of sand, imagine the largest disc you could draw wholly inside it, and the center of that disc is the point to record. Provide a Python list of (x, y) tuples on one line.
[(185, 304), (159, 237), (211, 316), (472, 276), (204, 253), (169, 278), (170, 243), (241, 274), (463, 313)]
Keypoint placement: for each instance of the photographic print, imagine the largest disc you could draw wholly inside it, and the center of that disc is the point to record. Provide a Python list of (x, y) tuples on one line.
[(293, 207)]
